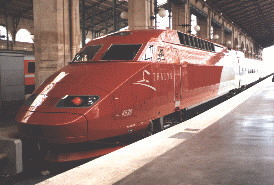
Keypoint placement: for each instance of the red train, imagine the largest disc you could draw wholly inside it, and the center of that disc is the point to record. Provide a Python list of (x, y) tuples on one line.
[(125, 83)]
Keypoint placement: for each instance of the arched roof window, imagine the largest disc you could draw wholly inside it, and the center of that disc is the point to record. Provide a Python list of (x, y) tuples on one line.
[(23, 35), (3, 33)]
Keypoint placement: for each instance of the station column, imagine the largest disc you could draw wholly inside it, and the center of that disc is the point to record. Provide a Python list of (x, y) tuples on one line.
[(139, 14), (56, 34), (181, 16), (220, 32)]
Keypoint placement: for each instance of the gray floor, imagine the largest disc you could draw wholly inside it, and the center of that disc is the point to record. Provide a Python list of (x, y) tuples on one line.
[(237, 149), (8, 128)]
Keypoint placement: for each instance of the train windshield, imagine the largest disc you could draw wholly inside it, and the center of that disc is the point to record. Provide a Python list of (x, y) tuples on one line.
[(121, 52), (87, 54)]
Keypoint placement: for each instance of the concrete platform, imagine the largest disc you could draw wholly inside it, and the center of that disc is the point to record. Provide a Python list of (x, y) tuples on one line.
[(232, 143)]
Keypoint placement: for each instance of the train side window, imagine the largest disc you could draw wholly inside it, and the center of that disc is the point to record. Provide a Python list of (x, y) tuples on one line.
[(195, 42), (206, 45), (31, 67), (199, 43), (187, 40), (181, 38), (160, 55), (148, 56), (212, 47), (203, 45), (191, 43)]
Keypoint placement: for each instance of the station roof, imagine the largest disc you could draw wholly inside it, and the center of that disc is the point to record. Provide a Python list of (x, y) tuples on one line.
[(254, 17)]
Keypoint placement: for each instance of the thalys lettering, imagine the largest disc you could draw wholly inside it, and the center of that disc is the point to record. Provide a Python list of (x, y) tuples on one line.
[(162, 76), (154, 74)]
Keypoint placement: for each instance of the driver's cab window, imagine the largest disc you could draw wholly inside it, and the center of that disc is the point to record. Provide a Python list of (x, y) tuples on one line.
[(87, 53), (161, 55)]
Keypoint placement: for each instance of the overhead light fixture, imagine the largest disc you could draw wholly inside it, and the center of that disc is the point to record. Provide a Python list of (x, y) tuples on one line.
[(197, 28), (162, 12), (216, 37), (228, 42), (124, 15)]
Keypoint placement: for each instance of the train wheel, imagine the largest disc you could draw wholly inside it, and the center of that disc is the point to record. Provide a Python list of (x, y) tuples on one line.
[(231, 93), (167, 121), (243, 88), (161, 123), (177, 117)]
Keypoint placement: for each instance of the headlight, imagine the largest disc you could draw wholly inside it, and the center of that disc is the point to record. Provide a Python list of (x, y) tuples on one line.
[(77, 101)]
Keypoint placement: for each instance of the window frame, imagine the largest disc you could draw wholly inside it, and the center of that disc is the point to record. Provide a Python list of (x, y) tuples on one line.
[(81, 54), (112, 45)]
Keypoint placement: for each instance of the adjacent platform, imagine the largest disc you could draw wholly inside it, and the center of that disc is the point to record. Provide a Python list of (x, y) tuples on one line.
[(231, 143)]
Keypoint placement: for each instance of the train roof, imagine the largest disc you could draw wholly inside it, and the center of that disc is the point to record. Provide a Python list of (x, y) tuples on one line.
[(143, 36), (134, 36)]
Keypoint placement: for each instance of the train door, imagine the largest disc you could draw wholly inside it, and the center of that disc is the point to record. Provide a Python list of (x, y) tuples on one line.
[(177, 79), (163, 85), (123, 108)]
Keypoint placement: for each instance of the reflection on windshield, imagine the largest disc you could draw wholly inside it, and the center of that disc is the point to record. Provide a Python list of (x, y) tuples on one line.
[(121, 52), (87, 54), (148, 53)]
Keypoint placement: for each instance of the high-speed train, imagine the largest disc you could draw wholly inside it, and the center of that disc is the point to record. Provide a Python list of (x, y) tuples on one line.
[(130, 82)]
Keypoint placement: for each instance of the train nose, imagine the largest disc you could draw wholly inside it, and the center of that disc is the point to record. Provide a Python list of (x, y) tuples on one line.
[(59, 128)]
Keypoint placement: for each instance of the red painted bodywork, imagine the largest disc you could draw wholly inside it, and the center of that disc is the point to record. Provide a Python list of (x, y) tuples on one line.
[(132, 92)]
